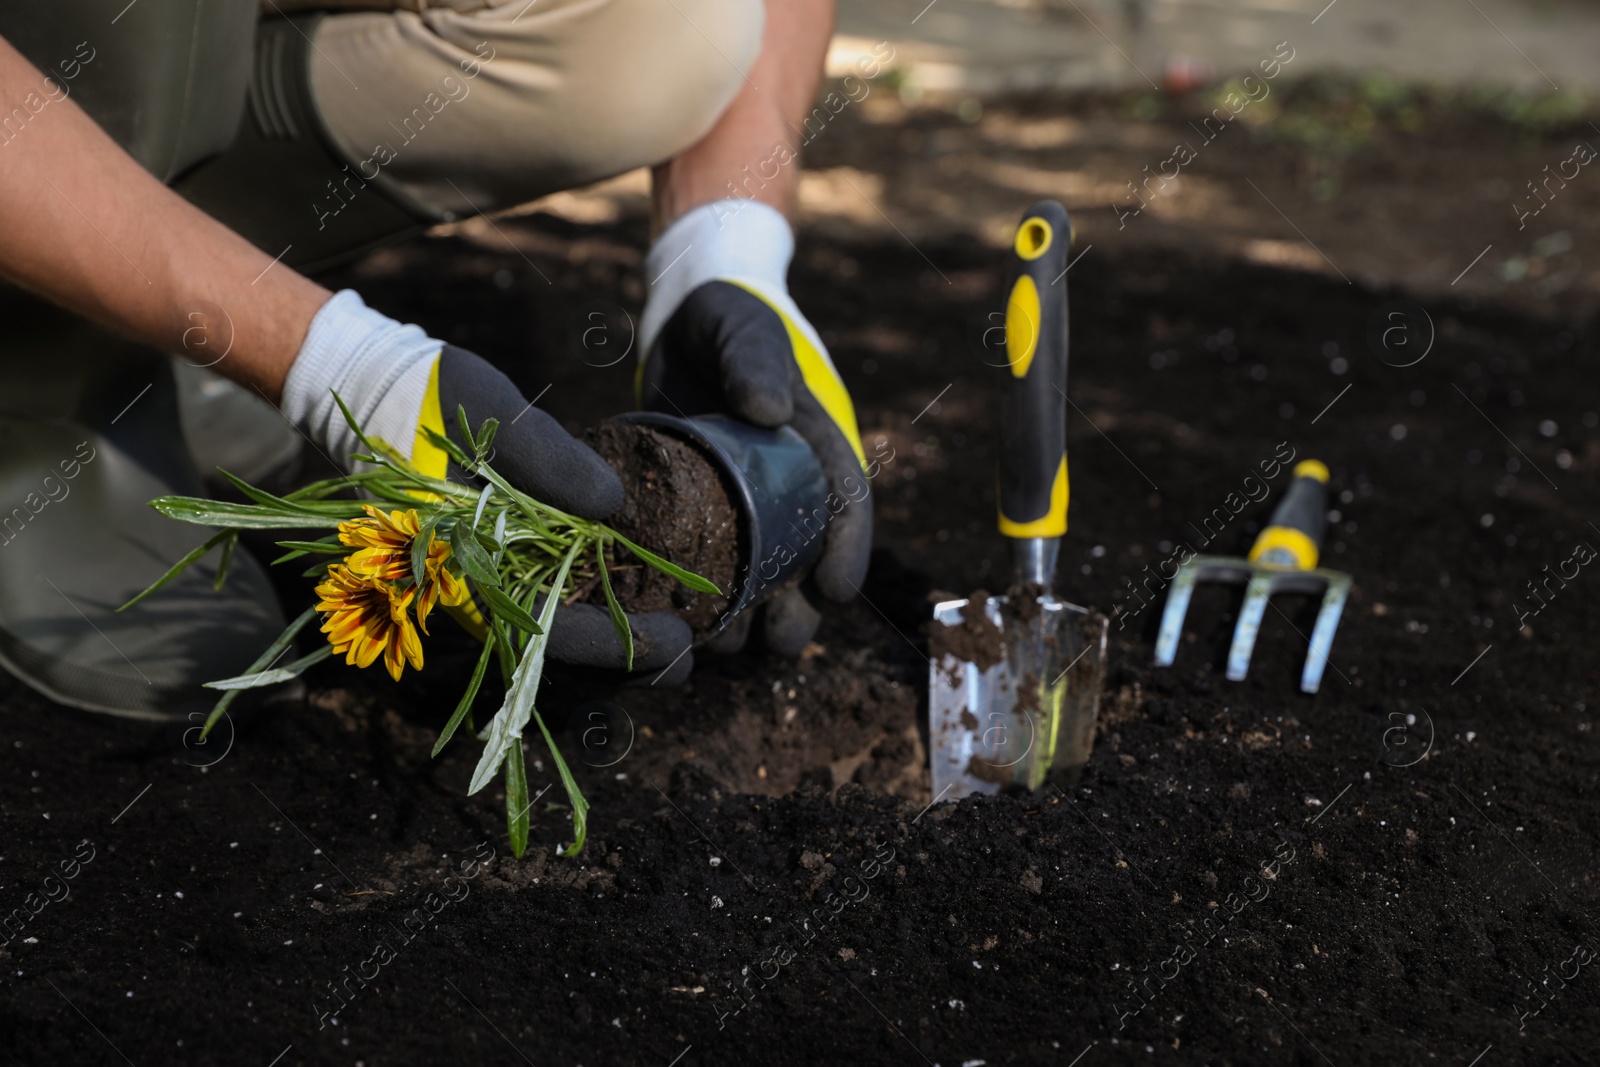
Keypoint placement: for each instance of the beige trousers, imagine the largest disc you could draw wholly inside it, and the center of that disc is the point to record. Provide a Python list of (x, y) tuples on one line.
[(476, 105)]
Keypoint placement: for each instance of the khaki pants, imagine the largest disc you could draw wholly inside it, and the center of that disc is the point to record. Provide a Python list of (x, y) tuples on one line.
[(475, 105)]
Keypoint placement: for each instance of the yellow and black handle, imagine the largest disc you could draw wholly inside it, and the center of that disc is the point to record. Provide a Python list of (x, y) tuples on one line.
[(1293, 540), (1033, 408)]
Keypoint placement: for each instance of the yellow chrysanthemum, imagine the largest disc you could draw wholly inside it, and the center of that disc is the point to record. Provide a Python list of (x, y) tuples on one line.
[(383, 550), (366, 617)]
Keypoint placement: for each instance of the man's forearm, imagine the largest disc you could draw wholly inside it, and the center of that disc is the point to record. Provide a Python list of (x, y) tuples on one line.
[(761, 125), (83, 225)]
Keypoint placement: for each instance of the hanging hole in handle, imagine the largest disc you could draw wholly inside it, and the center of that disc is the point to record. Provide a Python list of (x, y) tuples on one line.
[(1033, 238)]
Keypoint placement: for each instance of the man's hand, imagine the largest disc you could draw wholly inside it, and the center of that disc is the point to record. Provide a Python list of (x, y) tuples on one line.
[(721, 334), (399, 382)]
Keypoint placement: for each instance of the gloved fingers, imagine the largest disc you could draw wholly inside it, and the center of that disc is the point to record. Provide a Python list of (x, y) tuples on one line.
[(582, 635), (537, 455), (791, 623), (734, 635), (749, 344), (531, 450), (756, 356), (848, 545), (671, 384)]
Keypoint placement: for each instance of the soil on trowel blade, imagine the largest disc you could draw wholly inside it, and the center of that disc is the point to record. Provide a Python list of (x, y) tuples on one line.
[(1024, 600), (976, 640), (678, 505)]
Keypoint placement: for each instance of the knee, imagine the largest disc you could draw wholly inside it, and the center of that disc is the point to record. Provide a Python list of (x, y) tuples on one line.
[(699, 54)]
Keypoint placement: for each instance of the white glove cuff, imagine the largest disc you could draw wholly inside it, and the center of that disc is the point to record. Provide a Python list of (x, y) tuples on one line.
[(379, 368), (736, 240)]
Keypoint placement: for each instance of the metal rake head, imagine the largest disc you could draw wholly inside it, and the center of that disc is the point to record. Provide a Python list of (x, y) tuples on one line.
[(1283, 560), (1260, 584)]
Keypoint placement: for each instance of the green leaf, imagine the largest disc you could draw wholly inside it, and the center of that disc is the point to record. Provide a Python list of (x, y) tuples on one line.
[(419, 548), (466, 430), (273, 651), (530, 507), (242, 516), (489, 543), (276, 674), (688, 578), (505, 729), (580, 806), (261, 496), (320, 548), (500, 536), (182, 565), (619, 618), (474, 560), (389, 493), (483, 502), (517, 800), (381, 451), (450, 448), (328, 486), (227, 559), (509, 610), (486, 434), (466, 698), (504, 651)]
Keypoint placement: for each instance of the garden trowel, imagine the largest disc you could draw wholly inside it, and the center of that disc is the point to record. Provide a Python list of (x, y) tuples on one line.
[(1283, 560), (1013, 690)]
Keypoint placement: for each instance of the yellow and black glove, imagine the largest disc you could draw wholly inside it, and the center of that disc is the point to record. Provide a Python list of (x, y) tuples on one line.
[(721, 334)]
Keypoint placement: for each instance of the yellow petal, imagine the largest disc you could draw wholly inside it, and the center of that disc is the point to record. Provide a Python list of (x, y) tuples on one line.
[(385, 563), (425, 604), (411, 645), (343, 628), (392, 662), (365, 648)]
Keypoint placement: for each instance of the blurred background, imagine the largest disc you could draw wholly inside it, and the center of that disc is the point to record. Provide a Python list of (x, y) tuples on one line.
[(1431, 145)]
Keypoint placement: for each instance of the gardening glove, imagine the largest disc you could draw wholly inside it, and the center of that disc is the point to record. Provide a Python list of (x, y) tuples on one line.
[(720, 333), (396, 380)]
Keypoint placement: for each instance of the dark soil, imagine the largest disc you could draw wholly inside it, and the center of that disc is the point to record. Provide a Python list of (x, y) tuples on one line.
[(1397, 870), (679, 508)]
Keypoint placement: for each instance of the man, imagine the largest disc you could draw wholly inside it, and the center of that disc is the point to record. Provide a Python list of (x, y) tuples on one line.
[(318, 134)]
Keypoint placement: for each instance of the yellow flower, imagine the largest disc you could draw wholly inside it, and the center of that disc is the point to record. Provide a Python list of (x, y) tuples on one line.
[(383, 550), (439, 585), (366, 617), (382, 542)]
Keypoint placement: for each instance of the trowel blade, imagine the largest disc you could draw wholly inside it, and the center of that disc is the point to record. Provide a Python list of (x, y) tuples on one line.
[(1026, 718)]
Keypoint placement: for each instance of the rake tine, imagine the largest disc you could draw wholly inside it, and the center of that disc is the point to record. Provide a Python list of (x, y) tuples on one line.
[(1322, 633), (1244, 634), (1172, 618)]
